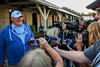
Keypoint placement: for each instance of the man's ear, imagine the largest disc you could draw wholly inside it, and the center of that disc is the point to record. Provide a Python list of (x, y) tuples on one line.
[(11, 18)]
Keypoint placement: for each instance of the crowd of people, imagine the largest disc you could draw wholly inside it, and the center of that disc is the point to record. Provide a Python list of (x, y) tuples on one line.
[(15, 46)]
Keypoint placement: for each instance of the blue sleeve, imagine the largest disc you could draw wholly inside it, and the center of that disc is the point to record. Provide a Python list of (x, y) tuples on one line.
[(1, 48), (32, 35)]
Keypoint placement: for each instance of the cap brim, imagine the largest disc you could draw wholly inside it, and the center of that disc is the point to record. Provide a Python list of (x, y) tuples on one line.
[(94, 5)]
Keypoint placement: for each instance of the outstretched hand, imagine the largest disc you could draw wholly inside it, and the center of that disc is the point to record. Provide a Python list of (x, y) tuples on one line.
[(79, 38), (43, 43), (79, 43)]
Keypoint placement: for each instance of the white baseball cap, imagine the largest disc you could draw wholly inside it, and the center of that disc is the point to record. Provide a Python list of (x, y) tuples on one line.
[(16, 14)]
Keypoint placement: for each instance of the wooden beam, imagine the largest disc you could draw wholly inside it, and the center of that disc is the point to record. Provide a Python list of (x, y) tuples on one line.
[(66, 16), (40, 10), (33, 7), (44, 14), (59, 15), (47, 13), (20, 3)]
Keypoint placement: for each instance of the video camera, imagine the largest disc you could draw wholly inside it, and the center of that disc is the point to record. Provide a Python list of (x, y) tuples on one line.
[(71, 25), (50, 39)]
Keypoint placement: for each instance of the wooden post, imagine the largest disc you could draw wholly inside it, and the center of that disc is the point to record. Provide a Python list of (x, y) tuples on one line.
[(59, 15)]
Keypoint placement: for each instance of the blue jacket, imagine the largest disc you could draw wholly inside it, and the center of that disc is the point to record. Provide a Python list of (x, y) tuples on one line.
[(13, 45)]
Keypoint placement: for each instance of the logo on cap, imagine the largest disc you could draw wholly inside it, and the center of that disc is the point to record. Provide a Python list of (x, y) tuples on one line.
[(16, 14)]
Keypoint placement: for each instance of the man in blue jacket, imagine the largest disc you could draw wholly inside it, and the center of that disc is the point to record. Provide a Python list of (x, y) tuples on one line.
[(14, 40)]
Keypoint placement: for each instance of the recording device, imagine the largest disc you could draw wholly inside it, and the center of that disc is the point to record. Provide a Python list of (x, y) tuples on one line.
[(71, 25), (34, 43)]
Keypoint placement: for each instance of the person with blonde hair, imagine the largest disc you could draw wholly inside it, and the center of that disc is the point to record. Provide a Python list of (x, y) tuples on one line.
[(38, 57), (94, 32), (93, 35)]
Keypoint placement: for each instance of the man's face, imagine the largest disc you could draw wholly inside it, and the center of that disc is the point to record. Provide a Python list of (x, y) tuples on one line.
[(81, 24), (17, 21), (97, 16), (63, 26)]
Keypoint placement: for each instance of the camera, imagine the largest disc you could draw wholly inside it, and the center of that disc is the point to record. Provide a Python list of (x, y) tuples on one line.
[(71, 25), (34, 43)]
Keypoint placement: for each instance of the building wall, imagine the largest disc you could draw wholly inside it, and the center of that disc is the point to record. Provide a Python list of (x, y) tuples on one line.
[(49, 20), (4, 18), (40, 21), (28, 17), (63, 18), (55, 18)]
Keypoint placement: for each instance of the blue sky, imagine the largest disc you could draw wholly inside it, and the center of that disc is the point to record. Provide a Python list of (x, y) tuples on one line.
[(77, 5)]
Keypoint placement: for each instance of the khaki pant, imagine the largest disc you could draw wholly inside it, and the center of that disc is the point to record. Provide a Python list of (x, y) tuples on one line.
[(12, 65)]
